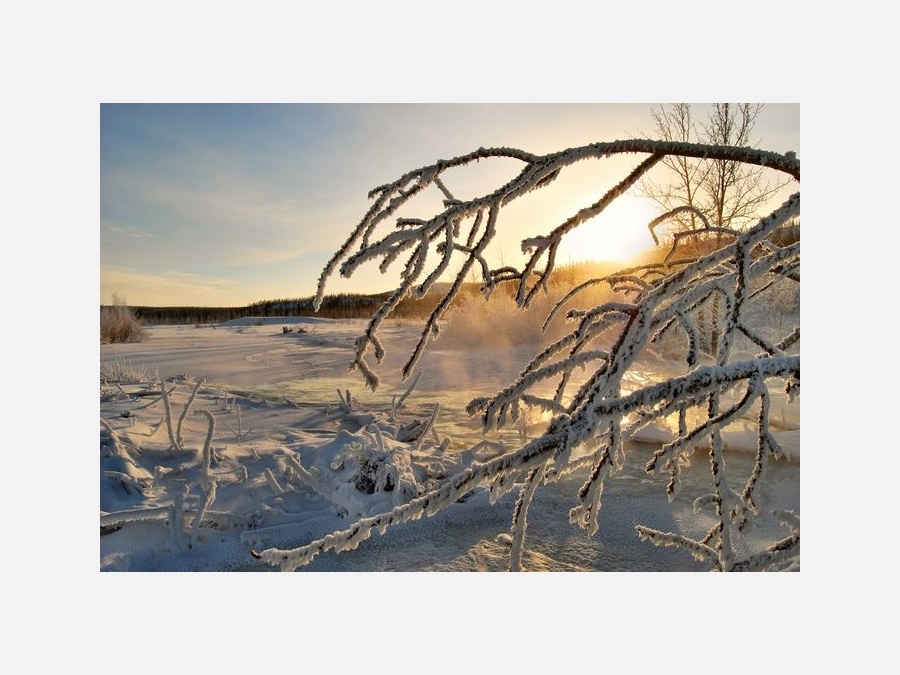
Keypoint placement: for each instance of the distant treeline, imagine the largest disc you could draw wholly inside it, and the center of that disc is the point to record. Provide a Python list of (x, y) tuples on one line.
[(342, 306)]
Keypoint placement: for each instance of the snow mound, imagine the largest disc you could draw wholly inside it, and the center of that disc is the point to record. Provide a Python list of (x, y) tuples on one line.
[(362, 473)]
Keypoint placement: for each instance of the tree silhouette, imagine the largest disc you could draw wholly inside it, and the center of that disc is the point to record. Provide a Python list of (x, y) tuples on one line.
[(727, 192)]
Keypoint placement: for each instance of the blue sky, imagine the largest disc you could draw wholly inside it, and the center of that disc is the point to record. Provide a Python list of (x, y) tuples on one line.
[(226, 204)]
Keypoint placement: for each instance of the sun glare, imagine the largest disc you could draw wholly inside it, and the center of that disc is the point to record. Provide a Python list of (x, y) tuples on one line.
[(617, 235)]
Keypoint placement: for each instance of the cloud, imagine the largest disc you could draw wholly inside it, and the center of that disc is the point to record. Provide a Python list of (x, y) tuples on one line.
[(230, 216), (128, 230), (166, 289)]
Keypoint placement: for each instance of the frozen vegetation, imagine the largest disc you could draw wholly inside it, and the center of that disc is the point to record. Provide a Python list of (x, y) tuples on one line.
[(654, 426)]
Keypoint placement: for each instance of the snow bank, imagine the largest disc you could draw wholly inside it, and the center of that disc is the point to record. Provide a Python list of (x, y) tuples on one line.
[(277, 321)]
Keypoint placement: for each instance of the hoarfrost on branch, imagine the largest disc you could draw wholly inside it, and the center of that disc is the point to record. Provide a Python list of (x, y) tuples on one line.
[(703, 302)]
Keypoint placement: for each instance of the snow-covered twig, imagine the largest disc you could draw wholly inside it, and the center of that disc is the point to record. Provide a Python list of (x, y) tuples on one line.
[(239, 433), (173, 439), (184, 413), (520, 517), (395, 408), (221, 519)]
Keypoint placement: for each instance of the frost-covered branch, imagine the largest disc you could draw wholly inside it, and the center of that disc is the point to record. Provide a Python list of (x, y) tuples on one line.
[(699, 383), (184, 413), (173, 439), (445, 232), (520, 517), (701, 308)]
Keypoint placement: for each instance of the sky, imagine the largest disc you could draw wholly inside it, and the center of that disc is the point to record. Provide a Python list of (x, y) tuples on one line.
[(218, 204)]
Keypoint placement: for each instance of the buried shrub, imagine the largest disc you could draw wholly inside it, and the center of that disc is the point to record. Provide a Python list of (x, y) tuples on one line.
[(118, 324)]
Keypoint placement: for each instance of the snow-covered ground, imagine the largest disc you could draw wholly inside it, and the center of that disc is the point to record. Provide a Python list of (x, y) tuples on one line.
[(266, 440)]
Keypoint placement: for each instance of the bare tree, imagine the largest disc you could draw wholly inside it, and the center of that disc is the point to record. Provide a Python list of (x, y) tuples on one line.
[(720, 194), (686, 174), (729, 193), (595, 406)]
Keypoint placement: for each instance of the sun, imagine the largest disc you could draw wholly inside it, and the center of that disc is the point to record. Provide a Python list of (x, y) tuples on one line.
[(619, 234)]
